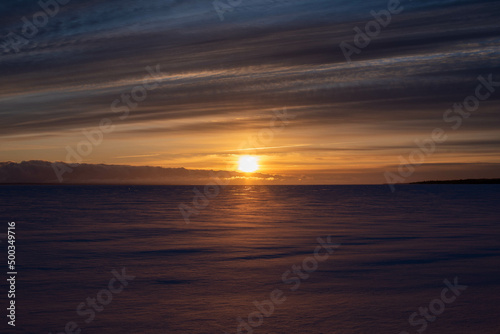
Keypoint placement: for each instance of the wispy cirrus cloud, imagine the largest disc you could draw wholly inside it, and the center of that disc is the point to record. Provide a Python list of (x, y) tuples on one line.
[(219, 78)]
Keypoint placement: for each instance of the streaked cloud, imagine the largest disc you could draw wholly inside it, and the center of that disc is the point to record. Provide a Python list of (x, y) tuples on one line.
[(221, 80)]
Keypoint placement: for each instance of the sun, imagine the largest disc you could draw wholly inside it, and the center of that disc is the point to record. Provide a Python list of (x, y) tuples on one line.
[(248, 164)]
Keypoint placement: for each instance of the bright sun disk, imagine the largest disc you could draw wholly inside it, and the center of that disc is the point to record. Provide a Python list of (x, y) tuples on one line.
[(248, 164)]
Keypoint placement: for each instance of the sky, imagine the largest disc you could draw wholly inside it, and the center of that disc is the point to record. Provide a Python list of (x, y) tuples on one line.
[(190, 84)]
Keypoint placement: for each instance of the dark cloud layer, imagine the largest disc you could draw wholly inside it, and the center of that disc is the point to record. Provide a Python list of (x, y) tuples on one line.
[(44, 172)]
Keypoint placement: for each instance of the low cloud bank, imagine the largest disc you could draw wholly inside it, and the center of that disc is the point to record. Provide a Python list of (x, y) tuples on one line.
[(36, 171)]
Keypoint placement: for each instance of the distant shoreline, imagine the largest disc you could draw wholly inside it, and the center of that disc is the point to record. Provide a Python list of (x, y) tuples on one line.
[(463, 181)]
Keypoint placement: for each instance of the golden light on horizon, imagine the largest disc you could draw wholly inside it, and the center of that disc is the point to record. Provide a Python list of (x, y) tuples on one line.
[(248, 164)]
